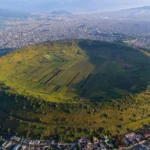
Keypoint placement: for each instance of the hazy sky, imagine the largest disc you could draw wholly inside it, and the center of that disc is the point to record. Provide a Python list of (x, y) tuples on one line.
[(70, 5)]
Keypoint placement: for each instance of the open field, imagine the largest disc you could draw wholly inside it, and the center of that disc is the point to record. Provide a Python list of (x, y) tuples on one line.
[(74, 88)]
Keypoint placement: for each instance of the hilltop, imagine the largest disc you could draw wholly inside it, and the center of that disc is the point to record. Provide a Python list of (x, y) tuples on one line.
[(69, 71), (74, 88)]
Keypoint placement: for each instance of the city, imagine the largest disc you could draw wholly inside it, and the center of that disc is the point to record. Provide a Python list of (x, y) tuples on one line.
[(130, 141), (50, 28)]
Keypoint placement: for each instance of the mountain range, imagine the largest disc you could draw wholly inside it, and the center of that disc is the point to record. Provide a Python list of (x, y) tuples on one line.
[(134, 13)]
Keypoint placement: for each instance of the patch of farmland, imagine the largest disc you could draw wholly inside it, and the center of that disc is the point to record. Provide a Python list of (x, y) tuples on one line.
[(68, 64), (64, 77), (53, 76), (44, 69), (52, 57), (45, 77), (71, 81)]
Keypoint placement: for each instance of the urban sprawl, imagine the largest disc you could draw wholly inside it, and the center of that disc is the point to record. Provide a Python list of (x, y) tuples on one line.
[(49, 28)]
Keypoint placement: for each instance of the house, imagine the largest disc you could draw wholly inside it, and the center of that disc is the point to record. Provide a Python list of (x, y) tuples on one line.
[(139, 137), (95, 140), (102, 146), (14, 138), (16, 147), (82, 140), (4, 144), (146, 135), (24, 147), (131, 136), (8, 145), (126, 142)]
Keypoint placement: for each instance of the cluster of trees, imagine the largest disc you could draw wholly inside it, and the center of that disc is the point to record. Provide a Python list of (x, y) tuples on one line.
[(38, 108)]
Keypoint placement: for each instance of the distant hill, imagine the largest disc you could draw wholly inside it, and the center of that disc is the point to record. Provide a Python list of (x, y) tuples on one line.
[(61, 12), (133, 13)]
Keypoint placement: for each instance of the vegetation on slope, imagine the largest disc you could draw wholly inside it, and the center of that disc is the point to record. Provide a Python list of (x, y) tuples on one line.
[(74, 88), (68, 71)]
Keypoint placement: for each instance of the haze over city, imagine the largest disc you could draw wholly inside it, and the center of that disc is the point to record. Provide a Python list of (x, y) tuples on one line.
[(71, 5)]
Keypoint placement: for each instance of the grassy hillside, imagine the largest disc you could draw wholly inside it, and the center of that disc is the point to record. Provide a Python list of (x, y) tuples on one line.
[(74, 88), (67, 72)]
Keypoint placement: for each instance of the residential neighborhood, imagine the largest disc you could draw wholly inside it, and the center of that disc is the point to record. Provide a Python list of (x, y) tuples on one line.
[(95, 27), (139, 140)]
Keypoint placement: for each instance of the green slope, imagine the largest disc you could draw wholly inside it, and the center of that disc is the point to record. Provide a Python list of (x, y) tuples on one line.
[(65, 71), (74, 88)]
